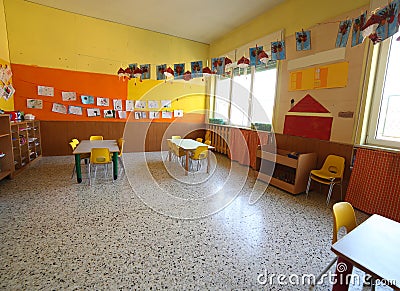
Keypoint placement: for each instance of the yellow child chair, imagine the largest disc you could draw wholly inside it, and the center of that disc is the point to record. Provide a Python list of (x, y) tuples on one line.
[(343, 216), (199, 139), (179, 153), (99, 156), (96, 137), (176, 137), (83, 156), (330, 174), (208, 142), (199, 154), (76, 141)]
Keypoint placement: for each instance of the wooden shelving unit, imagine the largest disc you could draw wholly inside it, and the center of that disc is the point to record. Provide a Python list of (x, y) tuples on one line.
[(26, 143), (6, 151), (285, 172)]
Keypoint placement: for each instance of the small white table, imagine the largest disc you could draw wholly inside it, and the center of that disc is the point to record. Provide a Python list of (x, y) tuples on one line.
[(189, 145), (374, 247), (86, 146)]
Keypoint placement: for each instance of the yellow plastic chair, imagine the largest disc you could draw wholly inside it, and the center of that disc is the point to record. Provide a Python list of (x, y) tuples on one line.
[(199, 139), (343, 216), (120, 143), (75, 141), (99, 156), (199, 154), (330, 174), (96, 137), (178, 153), (176, 137), (208, 142), (83, 156)]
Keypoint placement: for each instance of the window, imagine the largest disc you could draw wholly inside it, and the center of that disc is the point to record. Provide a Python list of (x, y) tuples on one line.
[(245, 98), (384, 119)]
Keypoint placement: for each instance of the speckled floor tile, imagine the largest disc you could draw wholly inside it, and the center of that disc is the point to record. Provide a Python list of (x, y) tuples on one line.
[(155, 228)]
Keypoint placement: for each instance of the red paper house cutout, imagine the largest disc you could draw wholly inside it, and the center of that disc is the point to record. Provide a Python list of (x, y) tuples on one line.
[(308, 126)]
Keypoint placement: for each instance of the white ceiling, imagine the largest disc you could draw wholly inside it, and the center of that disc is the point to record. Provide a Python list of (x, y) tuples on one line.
[(202, 20)]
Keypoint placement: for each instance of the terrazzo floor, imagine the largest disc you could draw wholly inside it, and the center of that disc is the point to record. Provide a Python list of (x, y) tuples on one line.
[(155, 228)]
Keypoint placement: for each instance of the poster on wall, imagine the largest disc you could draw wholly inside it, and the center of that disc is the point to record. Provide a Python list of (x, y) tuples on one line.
[(108, 113), (153, 104), (218, 66), (59, 108), (388, 21), (166, 103), (129, 105), (196, 68), (356, 36), (68, 96), (122, 114), (132, 67), (93, 112), (140, 115), (303, 40), (34, 103), (178, 113), (103, 101), (5, 74), (166, 114), (7, 91), (75, 110), (179, 69), (45, 91), (145, 71), (343, 33), (154, 114), (160, 69), (140, 104), (86, 99), (117, 104), (253, 52), (278, 50)]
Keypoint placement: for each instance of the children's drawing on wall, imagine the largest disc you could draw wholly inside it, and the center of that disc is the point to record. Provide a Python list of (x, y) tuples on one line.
[(45, 91), (145, 71), (218, 66), (140, 115), (68, 96), (103, 101), (303, 40), (132, 67), (153, 104), (356, 36), (178, 113), (254, 51), (93, 112), (160, 69), (59, 108), (122, 114), (166, 103), (86, 99), (179, 69), (343, 33), (5, 73), (117, 104), (196, 68), (140, 104), (34, 103), (76, 110), (154, 114), (278, 50), (7, 91), (129, 105), (388, 22), (166, 114), (109, 113)]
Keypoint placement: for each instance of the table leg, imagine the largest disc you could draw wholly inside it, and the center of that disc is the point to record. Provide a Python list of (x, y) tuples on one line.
[(169, 154), (78, 168), (208, 161), (187, 163), (115, 165)]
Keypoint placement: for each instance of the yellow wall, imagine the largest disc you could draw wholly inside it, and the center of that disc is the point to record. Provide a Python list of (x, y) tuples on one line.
[(4, 56), (292, 16), (57, 39)]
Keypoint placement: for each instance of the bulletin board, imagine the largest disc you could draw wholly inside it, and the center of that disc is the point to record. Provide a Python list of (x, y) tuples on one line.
[(320, 77)]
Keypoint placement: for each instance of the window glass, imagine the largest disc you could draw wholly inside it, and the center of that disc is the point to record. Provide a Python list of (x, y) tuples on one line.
[(240, 100), (264, 87)]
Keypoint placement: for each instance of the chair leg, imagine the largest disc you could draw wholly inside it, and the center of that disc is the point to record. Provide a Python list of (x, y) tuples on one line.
[(90, 176), (330, 192), (308, 185), (324, 271)]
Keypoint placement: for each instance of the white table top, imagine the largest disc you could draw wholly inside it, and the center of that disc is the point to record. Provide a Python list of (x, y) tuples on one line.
[(374, 247), (188, 144), (85, 146)]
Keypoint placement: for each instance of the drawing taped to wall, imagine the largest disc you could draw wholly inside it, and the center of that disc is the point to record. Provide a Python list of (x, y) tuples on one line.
[(129, 105), (160, 69), (87, 99), (103, 101), (278, 51), (303, 40), (179, 69), (75, 110), (34, 103), (117, 104), (154, 114), (122, 114), (108, 113), (343, 33), (45, 91), (218, 66), (93, 112), (166, 103), (153, 104), (145, 71), (68, 96), (196, 68), (59, 108), (253, 52), (140, 104), (356, 37)]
